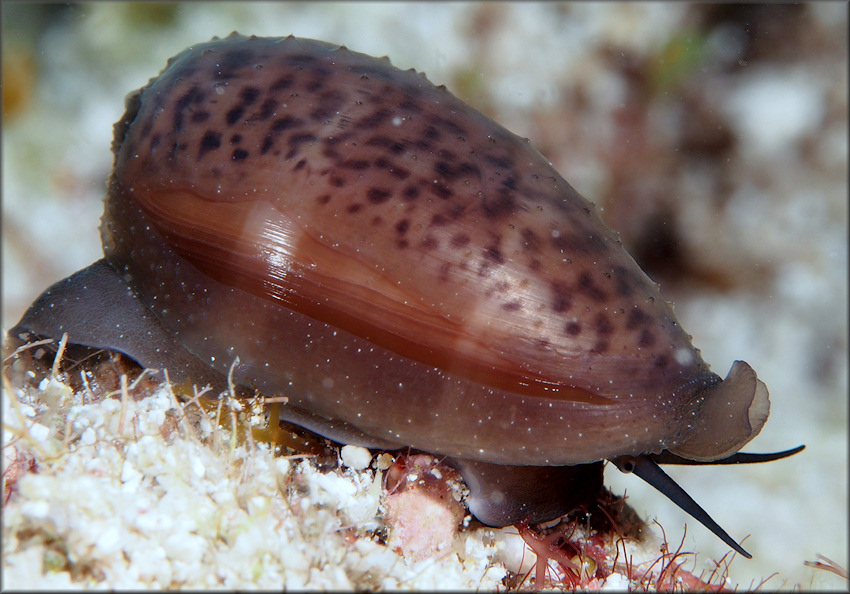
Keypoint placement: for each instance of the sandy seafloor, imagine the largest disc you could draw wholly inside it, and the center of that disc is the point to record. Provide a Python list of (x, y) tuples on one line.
[(729, 138)]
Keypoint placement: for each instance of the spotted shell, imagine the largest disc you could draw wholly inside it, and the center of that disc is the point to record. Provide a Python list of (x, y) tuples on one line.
[(404, 269)]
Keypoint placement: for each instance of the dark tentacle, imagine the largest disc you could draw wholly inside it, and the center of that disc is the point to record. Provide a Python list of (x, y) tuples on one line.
[(667, 457), (646, 468)]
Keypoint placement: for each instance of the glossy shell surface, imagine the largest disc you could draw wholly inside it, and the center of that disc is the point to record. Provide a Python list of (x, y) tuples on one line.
[(396, 263)]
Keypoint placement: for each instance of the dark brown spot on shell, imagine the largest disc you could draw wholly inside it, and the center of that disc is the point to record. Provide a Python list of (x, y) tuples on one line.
[(561, 296), (600, 347), (444, 169), (447, 155), (210, 142), (331, 153), (459, 240), (394, 170), (356, 164), (249, 95), (441, 190), (431, 132), (439, 220), (502, 205), (603, 325), (234, 115), (495, 255), (499, 161), (647, 338), (512, 306), (469, 169), (379, 140), (456, 212), (530, 240), (332, 99), (378, 195), (192, 96), (285, 123), (409, 104), (411, 192), (317, 82), (430, 243), (267, 110), (449, 126), (374, 120), (588, 287), (281, 84), (637, 317), (510, 183), (321, 113)]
